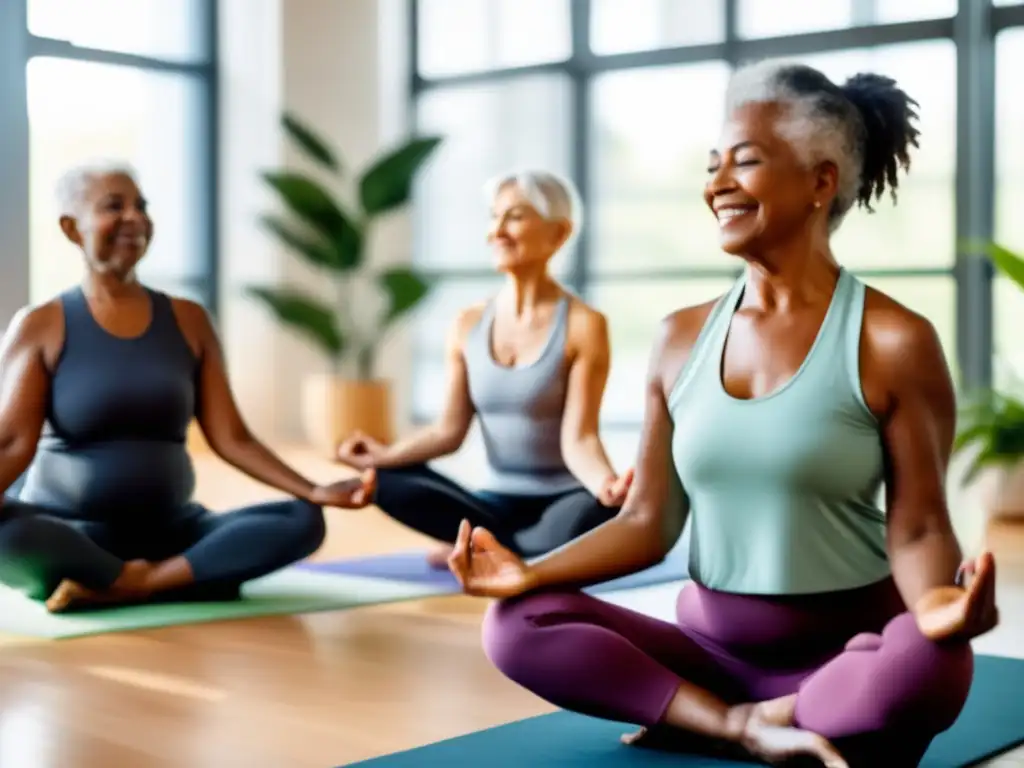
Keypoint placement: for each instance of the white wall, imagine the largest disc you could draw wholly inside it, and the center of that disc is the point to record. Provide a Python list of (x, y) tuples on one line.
[(323, 60)]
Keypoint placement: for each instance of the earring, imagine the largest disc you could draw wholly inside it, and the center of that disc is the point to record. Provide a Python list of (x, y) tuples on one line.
[(817, 204)]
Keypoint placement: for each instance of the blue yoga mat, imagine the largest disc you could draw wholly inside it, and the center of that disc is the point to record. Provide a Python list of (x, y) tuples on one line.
[(412, 567), (992, 723)]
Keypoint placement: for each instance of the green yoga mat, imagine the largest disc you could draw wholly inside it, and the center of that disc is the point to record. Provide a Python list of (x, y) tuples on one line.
[(289, 591), (992, 723)]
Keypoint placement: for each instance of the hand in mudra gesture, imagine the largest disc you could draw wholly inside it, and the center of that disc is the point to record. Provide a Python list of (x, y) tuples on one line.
[(484, 567), (963, 612)]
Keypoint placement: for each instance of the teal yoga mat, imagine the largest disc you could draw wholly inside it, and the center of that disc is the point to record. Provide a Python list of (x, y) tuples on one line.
[(289, 591), (992, 723)]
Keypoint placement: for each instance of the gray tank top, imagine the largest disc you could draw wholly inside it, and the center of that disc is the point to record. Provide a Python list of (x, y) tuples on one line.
[(520, 410)]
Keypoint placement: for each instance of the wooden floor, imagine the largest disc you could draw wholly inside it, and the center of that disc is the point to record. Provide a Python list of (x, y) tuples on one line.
[(293, 692)]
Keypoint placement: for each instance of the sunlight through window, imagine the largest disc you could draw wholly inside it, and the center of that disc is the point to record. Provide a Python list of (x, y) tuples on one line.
[(163, 29), (82, 111)]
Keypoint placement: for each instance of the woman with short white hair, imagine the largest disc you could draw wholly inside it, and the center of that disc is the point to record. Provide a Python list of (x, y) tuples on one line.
[(98, 387), (531, 364)]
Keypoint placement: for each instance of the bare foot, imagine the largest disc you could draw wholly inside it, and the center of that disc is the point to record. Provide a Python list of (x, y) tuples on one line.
[(776, 712), (638, 738), (769, 735), (667, 739), (71, 596), (437, 558), (130, 587)]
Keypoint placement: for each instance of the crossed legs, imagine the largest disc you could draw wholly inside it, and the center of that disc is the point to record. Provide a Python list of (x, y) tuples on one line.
[(893, 690), (423, 499), (197, 554)]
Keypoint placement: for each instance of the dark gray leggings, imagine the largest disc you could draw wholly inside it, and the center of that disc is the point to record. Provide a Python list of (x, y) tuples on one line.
[(427, 501), (39, 549)]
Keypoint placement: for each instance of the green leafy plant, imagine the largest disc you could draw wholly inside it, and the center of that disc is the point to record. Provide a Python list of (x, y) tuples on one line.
[(332, 237), (994, 421)]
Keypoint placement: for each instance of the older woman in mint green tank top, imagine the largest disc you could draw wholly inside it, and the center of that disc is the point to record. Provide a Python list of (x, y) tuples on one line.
[(815, 624), (529, 364)]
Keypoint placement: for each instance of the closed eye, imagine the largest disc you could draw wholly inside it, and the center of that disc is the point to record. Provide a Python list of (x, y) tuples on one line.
[(741, 164)]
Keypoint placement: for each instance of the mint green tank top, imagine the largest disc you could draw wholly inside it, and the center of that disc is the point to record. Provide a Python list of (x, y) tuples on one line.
[(783, 489)]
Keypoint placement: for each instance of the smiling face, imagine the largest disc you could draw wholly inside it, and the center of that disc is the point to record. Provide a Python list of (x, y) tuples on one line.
[(111, 224), (522, 239), (759, 190)]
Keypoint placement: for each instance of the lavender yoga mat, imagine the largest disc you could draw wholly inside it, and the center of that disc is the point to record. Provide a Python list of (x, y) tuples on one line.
[(411, 567)]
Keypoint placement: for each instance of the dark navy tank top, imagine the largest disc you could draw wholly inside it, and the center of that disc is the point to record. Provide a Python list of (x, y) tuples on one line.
[(117, 416)]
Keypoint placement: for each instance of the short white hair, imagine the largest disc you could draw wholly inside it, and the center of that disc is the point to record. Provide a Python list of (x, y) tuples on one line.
[(554, 197), (864, 125), (74, 183)]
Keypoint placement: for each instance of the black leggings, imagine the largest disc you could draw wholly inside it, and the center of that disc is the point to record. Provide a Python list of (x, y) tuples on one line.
[(429, 502), (39, 549)]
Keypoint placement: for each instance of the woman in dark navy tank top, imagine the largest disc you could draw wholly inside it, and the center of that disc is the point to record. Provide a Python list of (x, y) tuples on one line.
[(530, 365), (97, 389)]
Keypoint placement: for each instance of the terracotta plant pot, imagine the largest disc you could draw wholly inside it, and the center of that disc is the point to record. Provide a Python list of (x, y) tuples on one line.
[(334, 407)]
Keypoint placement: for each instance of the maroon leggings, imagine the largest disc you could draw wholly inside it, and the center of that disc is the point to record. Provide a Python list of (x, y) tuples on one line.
[(862, 671)]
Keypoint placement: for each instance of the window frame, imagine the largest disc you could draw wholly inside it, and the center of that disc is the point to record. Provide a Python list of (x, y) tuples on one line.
[(973, 31), (18, 46)]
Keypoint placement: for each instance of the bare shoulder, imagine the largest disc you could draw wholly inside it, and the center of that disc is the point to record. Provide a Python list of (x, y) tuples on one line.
[(896, 337), (469, 316), (38, 326), (683, 326), (587, 326), (677, 334), (195, 323), (36, 321), (189, 311), (901, 358), (465, 321)]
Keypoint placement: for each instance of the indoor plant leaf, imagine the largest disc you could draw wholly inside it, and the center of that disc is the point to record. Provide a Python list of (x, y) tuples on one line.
[(387, 183), (347, 241), (986, 457), (1007, 262), (315, 147), (404, 289), (970, 435), (995, 422), (312, 248), (319, 227), (304, 314), (316, 207)]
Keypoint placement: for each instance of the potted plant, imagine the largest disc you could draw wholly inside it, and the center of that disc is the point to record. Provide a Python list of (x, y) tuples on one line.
[(333, 237), (992, 426)]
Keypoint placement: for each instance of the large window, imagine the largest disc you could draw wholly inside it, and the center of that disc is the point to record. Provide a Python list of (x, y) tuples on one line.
[(1009, 299), (128, 81), (459, 36), (489, 128), (768, 18), (621, 26), (171, 30), (626, 95)]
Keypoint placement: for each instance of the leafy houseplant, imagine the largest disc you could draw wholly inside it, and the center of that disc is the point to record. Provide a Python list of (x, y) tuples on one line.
[(333, 237), (992, 422)]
